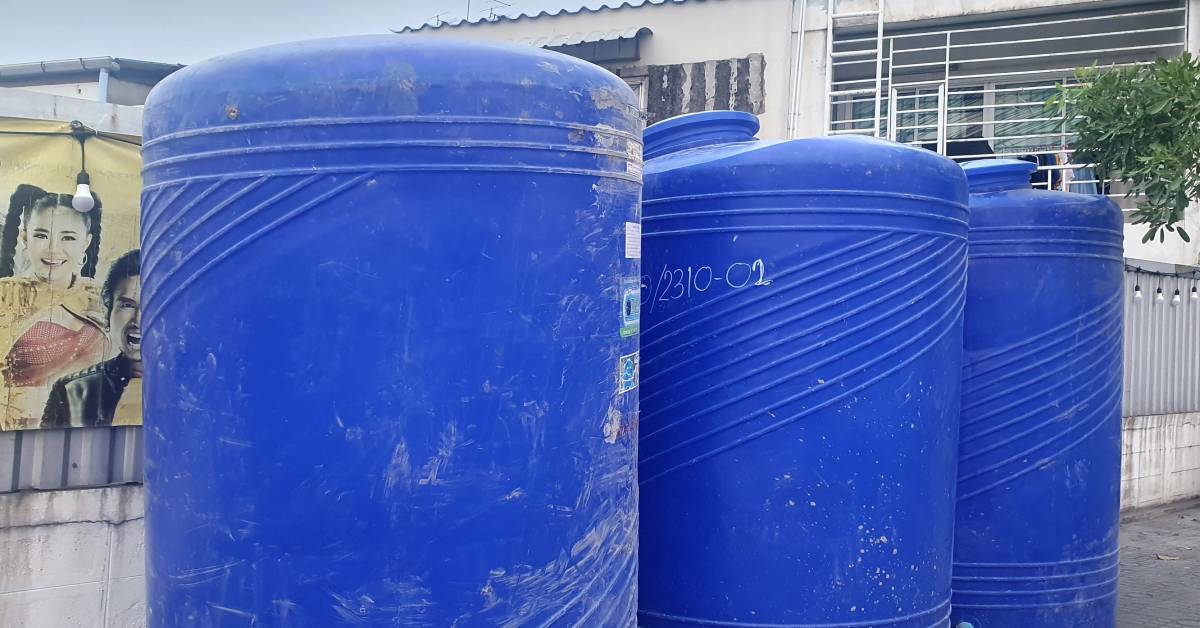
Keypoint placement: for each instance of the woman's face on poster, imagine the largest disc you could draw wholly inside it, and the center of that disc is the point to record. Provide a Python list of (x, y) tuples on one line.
[(56, 242)]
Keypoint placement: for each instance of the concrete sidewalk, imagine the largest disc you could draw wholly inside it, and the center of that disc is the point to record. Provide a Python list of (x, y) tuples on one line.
[(1160, 567)]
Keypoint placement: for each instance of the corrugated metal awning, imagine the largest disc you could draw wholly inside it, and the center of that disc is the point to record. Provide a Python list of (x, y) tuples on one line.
[(536, 11), (556, 40)]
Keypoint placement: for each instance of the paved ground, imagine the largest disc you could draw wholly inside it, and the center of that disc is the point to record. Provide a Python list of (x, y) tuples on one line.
[(1160, 568)]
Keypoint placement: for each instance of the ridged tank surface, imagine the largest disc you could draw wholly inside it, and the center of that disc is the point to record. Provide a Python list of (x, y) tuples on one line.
[(390, 379), (1040, 449), (802, 342)]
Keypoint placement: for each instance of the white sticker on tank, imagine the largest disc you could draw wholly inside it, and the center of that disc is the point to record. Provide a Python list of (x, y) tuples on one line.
[(633, 240), (633, 149)]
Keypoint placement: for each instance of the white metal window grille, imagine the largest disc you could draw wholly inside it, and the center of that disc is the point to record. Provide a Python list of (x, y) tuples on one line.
[(978, 89)]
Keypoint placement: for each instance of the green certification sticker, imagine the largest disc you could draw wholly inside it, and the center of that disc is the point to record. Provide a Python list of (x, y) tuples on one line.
[(631, 306)]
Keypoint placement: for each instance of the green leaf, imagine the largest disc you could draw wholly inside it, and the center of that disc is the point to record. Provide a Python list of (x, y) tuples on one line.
[(1140, 125)]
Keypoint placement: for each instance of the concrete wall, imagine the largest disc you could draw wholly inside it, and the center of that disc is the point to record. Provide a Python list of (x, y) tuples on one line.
[(73, 559), (119, 92), (1160, 461), (127, 92), (1174, 250), (86, 91), (681, 88), (23, 103)]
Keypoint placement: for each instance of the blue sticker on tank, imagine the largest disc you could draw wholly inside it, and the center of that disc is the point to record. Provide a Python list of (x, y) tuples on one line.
[(627, 372)]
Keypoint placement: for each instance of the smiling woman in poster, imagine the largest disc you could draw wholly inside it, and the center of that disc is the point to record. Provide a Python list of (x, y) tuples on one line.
[(52, 319)]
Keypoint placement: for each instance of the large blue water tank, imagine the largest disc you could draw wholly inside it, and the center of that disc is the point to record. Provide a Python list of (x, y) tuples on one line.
[(1040, 453), (800, 388), (390, 376)]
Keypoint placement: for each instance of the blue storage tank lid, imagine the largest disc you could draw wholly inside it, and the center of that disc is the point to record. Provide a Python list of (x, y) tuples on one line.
[(274, 82), (993, 175), (716, 152), (698, 129)]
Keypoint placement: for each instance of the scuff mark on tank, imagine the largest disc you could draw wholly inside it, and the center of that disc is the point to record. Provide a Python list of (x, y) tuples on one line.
[(440, 461), (533, 419), (399, 470), (201, 575), (570, 306), (571, 587), (400, 603), (283, 609), (608, 98), (233, 611), (401, 88), (608, 137), (612, 425)]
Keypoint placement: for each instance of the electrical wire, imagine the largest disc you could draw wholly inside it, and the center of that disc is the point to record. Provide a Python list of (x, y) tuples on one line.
[(91, 132), (1189, 274)]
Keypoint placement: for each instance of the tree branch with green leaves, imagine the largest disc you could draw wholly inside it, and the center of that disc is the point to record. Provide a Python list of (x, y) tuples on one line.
[(1141, 125)]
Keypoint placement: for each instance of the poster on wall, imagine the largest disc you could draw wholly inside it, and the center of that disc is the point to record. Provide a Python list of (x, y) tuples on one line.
[(70, 288)]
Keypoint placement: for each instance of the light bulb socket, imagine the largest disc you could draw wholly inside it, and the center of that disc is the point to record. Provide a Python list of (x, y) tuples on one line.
[(83, 201)]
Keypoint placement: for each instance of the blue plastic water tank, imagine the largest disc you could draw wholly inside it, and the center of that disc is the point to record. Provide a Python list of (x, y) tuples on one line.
[(1040, 452), (391, 376), (802, 341)]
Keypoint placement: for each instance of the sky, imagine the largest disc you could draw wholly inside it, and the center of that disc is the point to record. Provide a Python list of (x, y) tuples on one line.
[(186, 31)]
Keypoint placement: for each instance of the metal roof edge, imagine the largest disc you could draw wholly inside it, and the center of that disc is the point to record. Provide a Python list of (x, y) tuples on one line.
[(607, 5), (82, 65), (581, 37)]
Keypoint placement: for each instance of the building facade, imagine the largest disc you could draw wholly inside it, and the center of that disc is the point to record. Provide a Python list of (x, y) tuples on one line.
[(967, 78)]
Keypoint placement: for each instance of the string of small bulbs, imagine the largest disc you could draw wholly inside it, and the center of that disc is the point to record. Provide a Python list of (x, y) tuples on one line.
[(1159, 297)]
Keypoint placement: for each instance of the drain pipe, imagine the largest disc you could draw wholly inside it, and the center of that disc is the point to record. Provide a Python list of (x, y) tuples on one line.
[(103, 95), (799, 11)]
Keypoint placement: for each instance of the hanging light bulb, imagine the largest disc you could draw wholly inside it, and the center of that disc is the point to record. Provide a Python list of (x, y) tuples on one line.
[(1158, 296), (1137, 293), (1175, 299), (83, 201), (1195, 294)]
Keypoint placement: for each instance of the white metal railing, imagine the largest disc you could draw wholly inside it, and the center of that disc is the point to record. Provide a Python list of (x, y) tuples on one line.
[(874, 86), (978, 89)]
